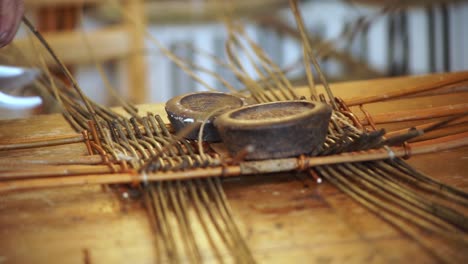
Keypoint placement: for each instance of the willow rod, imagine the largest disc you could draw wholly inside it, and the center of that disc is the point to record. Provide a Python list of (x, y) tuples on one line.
[(458, 88), (442, 132), (62, 160), (36, 142), (450, 80), (52, 171), (244, 168), (419, 114), (63, 68), (306, 45), (461, 121), (42, 142)]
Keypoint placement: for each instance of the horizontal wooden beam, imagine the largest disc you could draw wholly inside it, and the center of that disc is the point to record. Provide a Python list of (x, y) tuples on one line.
[(182, 5), (105, 44), (43, 3), (406, 3), (182, 11)]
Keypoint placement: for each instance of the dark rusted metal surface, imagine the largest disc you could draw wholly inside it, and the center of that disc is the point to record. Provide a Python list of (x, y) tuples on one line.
[(275, 130), (188, 109)]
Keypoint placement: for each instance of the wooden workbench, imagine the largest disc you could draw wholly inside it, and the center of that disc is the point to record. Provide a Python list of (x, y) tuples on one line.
[(285, 218)]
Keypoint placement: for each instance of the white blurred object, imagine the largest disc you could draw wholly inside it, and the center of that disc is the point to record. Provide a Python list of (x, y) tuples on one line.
[(13, 102), (12, 78)]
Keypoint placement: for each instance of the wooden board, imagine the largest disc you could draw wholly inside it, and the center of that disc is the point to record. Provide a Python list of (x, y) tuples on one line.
[(285, 218)]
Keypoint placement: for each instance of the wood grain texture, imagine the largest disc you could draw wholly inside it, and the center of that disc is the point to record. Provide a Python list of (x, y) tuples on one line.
[(285, 218), (136, 65), (106, 44), (42, 3)]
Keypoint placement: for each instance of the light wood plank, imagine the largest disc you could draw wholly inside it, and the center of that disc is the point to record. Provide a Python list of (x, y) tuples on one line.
[(136, 64), (284, 217), (106, 44), (42, 3)]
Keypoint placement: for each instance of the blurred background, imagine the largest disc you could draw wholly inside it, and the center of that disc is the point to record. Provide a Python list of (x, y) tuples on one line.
[(354, 40)]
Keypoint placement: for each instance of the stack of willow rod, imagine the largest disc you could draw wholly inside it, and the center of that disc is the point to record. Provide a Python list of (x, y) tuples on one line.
[(365, 165)]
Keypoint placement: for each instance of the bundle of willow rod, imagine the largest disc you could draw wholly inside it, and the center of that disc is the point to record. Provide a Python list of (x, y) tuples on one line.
[(365, 165), (126, 143)]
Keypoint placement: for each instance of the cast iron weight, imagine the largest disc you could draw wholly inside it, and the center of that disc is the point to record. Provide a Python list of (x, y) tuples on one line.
[(189, 109), (275, 130)]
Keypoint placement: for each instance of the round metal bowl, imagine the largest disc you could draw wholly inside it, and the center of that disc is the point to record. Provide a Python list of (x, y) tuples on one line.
[(275, 130), (188, 109)]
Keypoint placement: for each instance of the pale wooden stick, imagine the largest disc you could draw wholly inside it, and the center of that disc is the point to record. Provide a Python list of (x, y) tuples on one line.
[(449, 80), (60, 160), (42, 142), (457, 88), (44, 171), (40, 139), (420, 114)]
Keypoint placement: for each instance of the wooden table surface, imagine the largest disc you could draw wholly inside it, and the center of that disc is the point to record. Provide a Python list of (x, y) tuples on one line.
[(285, 218)]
